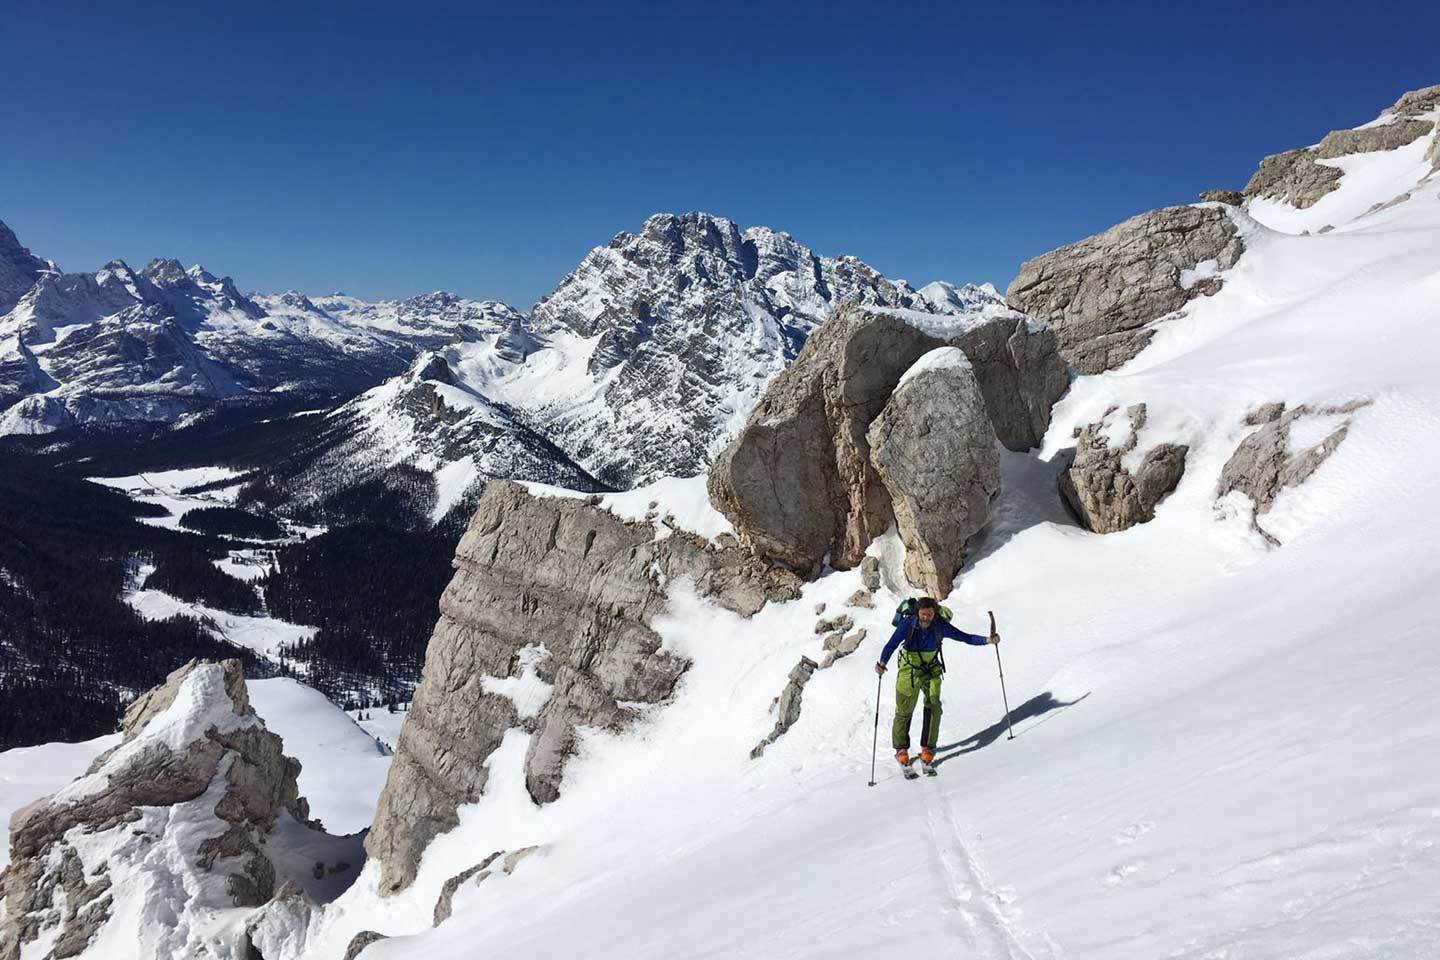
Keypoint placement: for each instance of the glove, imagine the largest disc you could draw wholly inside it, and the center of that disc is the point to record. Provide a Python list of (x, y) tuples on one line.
[(879, 669)]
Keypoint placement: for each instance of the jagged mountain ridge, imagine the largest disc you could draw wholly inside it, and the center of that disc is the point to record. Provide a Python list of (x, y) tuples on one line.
[(640, 364), (685, 322), (79, 349)]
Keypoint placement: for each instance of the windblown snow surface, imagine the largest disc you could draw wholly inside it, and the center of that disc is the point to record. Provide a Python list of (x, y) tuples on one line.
[(1222, 749)]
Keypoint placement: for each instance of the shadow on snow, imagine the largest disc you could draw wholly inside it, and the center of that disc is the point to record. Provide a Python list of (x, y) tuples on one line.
[(1036, 706)]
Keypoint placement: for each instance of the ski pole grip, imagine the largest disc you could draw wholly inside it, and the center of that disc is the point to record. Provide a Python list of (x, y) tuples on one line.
[(992, 622)]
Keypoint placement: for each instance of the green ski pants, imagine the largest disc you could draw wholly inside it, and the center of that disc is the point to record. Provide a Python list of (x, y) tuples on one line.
[(917, 674)]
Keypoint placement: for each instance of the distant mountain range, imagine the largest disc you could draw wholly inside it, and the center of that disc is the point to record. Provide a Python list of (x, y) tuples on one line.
[(640, 364)]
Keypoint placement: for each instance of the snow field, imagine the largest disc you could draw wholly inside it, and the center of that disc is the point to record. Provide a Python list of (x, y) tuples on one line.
[(1220, 746)]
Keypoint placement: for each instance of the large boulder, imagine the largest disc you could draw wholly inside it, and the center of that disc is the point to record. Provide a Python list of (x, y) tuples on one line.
[(182, 820), (1106, 493), (1101, 294), (798, 483), (935, 451), (544, 629)]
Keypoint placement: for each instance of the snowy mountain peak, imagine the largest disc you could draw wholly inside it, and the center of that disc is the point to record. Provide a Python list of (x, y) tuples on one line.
[(19, 268), (200, 274), (684, 322), (430, 366), (164, 272)]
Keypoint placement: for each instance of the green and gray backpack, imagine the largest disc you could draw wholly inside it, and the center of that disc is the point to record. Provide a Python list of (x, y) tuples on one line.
[(908, 608)]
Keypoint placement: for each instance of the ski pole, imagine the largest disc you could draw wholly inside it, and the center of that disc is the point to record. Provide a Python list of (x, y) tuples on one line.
[(1003, 695), (875, 740)]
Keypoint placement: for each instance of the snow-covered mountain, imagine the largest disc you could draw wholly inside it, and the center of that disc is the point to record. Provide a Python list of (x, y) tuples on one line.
[(1220, 710), (427, 423), (640, 364), (666, 338), (163, 342), (1216, 738)]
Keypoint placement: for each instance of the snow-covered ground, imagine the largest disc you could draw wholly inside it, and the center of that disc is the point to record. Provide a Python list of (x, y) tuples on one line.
[(1220, 745), (164, 488), (264, 635), (167, 488), (342, 767)]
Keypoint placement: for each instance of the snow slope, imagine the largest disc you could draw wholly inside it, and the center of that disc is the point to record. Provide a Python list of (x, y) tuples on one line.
[(1221, 747), (342, 768)]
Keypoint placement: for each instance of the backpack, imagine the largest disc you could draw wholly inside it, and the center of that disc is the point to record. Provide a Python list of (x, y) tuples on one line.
[(909, 607)]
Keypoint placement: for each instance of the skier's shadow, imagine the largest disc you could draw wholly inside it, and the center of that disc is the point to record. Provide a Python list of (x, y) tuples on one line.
[(1036, 706)]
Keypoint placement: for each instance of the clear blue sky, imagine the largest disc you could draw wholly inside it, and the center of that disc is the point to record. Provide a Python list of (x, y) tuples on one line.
[(389, 149)]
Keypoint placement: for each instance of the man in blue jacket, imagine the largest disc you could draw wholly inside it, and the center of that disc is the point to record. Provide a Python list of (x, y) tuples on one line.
[(921, 669)]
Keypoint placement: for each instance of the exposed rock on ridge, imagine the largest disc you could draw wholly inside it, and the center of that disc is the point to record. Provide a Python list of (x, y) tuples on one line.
[(1105, 495), (1267, 462), (196, 776), (19, 269), (798, 482), (1101, 294), (553, 591), (1295, 177)]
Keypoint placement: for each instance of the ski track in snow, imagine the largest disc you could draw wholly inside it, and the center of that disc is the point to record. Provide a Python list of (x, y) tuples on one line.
[(984, 930)]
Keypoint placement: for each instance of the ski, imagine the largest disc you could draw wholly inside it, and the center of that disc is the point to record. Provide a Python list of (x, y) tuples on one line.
[(910, 772), (929, 769)]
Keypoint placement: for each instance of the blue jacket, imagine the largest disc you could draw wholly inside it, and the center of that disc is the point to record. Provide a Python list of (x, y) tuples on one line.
[(927, 640)]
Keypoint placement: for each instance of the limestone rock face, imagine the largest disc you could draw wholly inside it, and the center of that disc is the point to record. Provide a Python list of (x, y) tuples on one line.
[(19, 269), (1268, 460), (1105, 495), (550, 594), (935, 450), (1101, 294), (474, 876), (798, 482), (1295, 177), (180, 813), (787, 707), (1416, 102), (1232, 197)]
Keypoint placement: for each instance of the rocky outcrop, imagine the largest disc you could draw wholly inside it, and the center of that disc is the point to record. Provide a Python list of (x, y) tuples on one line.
[(870, 573), (560, 594), (935, 451), (1105, 494), (1232, 198), (1268, 460), (476, 875), (179, 814), (1102, 294), (787, 705), (798, 483), (360, 941), (839, 645), (1417, 102), (1297, 178)]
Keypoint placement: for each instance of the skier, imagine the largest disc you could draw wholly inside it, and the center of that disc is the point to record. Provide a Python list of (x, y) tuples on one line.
[(921, 668)]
